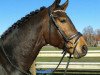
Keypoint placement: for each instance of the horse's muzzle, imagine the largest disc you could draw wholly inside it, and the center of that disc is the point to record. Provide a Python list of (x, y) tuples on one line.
[(84, 50)]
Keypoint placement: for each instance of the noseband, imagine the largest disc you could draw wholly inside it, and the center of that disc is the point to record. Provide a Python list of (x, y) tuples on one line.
[(65, 38)]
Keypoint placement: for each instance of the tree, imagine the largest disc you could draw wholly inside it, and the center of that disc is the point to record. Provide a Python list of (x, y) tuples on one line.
[(97, 36), (89, 36)]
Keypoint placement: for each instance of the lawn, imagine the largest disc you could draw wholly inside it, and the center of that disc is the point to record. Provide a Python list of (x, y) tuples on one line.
[(94, 48), (51, 48), (46, 59)]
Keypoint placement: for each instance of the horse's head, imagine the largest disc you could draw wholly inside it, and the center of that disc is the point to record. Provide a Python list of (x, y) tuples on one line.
[(62, 33)]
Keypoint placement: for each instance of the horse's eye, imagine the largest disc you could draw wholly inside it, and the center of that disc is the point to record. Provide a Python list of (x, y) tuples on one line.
[(63, 21)]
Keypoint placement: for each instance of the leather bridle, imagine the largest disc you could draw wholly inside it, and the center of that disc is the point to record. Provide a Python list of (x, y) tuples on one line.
[(61, 32), (65, 38)]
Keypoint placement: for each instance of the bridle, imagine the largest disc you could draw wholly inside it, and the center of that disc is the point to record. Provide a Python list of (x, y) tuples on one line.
[(61, 32), (65, 38)]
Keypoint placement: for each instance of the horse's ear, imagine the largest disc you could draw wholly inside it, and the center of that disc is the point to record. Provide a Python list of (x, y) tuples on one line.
[(65, 5), (55, 5)]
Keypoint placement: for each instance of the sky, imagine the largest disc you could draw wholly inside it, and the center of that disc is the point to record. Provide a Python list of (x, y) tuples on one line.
[(83, 13)]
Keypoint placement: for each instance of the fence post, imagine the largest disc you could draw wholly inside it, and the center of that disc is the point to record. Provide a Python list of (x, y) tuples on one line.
[(33, 68)]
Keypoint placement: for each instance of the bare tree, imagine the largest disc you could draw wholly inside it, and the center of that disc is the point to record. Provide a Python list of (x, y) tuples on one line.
[(89, 35), (98, 32), (97, 36)]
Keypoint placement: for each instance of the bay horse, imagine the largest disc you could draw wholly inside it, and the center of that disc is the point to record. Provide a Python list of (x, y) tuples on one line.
[(21, 43)]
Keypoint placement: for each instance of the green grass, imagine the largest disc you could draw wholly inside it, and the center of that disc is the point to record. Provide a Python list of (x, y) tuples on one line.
[(78, 73), (46, 59), (94, 48), (51, 48)]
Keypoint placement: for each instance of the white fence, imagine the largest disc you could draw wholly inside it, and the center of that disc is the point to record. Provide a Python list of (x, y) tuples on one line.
[(91, 53), (73, 65)]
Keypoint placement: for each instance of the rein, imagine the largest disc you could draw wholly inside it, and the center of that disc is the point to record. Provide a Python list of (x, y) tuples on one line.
[(66, 40), (7, 57)]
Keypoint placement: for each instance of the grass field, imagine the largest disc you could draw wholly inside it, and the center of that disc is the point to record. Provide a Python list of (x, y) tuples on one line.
[(94, 48), (97, 59), (51, 48)]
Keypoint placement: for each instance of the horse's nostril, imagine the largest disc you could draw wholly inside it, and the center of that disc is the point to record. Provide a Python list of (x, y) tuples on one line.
[(84, 49)]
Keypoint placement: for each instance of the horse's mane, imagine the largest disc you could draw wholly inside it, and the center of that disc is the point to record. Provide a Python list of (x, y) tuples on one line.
[(19, 22)]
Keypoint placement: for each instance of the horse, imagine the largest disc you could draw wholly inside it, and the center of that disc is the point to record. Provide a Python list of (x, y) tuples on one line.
[(22, 42)]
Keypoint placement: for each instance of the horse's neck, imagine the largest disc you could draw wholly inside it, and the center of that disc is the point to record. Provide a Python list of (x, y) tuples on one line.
[(24, 44)]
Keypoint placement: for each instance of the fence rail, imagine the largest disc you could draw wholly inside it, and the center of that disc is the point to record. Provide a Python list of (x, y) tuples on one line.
[(73, 65), (94, 53)]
